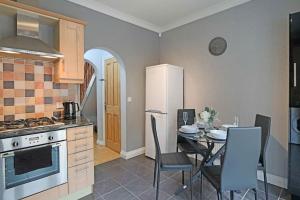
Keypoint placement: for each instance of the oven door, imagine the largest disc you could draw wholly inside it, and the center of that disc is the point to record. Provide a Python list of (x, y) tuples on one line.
[(19, 185)]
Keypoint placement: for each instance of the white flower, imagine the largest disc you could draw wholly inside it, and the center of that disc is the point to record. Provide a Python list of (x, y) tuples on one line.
[(205, 116)]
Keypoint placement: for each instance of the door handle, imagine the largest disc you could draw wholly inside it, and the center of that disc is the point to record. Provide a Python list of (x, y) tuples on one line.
[(295, 74)]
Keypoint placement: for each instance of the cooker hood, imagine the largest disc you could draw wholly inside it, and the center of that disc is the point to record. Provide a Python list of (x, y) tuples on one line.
[(27, 40)]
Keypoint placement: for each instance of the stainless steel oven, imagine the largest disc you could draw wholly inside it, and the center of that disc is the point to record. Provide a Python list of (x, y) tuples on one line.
[(20, 178)]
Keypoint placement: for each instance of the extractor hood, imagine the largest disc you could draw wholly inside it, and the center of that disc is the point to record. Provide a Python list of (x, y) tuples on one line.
[(27, 40)]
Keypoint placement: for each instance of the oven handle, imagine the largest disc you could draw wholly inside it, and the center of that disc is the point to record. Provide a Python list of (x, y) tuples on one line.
[(12, 153)]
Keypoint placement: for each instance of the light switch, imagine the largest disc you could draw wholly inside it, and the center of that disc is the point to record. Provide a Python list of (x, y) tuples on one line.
[(129, 99)]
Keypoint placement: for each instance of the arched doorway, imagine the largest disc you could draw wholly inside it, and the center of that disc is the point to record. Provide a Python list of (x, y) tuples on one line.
[(97, 58)]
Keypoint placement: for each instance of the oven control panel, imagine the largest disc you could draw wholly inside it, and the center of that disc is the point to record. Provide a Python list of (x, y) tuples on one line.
[(25, 141)]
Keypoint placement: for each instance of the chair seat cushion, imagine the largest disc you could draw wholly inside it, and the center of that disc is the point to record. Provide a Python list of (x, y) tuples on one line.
[(213, 174), (175, 161), (189, 149)]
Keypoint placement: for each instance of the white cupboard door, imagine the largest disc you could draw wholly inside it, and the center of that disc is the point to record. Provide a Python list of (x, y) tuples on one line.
[(161, 128), (156, 89)]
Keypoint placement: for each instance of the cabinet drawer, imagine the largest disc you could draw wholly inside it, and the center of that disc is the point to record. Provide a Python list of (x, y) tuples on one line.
[(53, 193), (81, 176), (76, 146), (80, 158), (79, 133)]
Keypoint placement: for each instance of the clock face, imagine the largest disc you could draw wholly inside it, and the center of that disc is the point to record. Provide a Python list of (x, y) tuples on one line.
[(217, 46)]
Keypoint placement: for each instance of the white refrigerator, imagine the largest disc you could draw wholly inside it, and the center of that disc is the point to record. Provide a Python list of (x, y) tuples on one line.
[(164, 95)]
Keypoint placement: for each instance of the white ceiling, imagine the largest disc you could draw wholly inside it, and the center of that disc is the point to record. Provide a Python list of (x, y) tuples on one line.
[(159, 15)]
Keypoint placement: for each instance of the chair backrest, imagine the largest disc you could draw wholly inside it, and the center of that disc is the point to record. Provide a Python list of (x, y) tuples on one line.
[(241, 157), (157, 147), (191, 117), (265, 123)]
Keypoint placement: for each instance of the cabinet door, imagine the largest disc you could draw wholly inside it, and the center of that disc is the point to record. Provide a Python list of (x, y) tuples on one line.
[(71, 44), (295, 60)]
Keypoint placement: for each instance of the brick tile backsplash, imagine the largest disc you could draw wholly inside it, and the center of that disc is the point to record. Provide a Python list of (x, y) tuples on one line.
[(27, 89)]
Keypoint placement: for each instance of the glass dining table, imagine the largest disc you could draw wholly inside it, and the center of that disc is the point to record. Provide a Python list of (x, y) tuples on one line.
[(208, 156)]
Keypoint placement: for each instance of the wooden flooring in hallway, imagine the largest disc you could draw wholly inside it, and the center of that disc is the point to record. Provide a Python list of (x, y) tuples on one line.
[(102, 154)]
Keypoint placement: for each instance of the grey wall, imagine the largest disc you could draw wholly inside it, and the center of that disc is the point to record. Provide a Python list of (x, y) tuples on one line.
[(251, 77), (136, 46)]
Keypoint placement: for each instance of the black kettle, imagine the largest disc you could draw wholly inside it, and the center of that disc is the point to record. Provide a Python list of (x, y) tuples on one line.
[(70, 109)]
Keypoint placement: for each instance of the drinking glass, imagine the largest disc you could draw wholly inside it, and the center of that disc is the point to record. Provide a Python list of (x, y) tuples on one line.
[(185, 117)]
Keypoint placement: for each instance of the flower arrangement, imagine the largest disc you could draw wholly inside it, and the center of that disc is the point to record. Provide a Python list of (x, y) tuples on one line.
[(208, 115)]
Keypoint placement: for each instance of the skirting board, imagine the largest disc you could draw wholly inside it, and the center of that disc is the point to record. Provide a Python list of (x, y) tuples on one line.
[(273, 179), (100, 142), (133, 153)]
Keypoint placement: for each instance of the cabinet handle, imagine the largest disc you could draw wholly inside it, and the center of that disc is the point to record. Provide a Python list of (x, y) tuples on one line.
[(81, 146), (82, 158), (84, 168), (295, 74)]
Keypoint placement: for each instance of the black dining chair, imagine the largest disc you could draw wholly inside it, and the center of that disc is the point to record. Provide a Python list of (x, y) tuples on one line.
[(239, 169), (177, 161), (265, 123), (184, 145)]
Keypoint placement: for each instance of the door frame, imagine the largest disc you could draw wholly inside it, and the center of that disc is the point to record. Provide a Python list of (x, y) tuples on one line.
[(123, 97)]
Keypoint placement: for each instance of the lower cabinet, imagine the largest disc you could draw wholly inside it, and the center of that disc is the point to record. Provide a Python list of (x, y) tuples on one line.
[(53, 193), (81, 176)]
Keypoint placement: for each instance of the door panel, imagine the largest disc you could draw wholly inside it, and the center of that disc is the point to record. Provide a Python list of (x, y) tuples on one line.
[(112, 105), (161, 128), (295, 60), (156, 89)]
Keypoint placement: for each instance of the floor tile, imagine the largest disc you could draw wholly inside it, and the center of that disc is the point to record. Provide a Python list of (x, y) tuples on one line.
[(105, 186), (151, 194), (119, 194), (125, 177), (138, 186)]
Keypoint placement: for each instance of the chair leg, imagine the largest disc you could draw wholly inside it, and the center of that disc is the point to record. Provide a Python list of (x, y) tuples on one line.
[(231, 195), (196, 157), (220, 195), (191, 185), (157, 183), (154, 176), (255, 194), (266, 182), (182, 178), (201, 186)]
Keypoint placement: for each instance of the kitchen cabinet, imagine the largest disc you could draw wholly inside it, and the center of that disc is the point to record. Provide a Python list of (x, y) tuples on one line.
[(70, 68), (80, 158), (53, 193)]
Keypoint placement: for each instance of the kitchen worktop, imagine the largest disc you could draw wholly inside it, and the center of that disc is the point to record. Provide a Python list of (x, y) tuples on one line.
[(70, 123)]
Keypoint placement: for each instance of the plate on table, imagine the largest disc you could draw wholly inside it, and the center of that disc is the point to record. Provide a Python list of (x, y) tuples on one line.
[(190, 129), (229, 126), (217, 134)]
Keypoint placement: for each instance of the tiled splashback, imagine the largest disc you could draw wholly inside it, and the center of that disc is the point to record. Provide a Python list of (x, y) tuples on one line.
[(27, 89)]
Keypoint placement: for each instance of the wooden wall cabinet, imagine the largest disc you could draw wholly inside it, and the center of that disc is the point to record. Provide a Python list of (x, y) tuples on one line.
[(70, 69)]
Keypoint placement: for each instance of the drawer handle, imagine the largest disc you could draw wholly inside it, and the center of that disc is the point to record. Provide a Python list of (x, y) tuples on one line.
[(84, 168), (80, 133), (81, 146), (81, 158)]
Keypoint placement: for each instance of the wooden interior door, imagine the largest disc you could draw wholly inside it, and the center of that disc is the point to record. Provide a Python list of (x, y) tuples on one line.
[(112, 105)]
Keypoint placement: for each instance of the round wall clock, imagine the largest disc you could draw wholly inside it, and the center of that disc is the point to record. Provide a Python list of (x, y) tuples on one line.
[(217, 46)]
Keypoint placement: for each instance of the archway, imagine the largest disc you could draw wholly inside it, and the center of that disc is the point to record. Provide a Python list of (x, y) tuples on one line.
[(93, 56)]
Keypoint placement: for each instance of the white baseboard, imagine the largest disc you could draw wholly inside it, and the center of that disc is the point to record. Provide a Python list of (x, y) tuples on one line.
[(100, 142), (130, 154), (273, 179)]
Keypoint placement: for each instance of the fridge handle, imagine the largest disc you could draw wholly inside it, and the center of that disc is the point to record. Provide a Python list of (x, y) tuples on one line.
[(155, 111), (295, 74)]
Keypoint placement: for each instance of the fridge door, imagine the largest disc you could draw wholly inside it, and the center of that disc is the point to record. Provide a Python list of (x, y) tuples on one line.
[(161, 127), (295, 60), (156, 89)]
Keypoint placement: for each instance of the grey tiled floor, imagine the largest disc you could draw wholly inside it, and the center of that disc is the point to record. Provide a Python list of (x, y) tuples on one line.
[(132, 180)]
